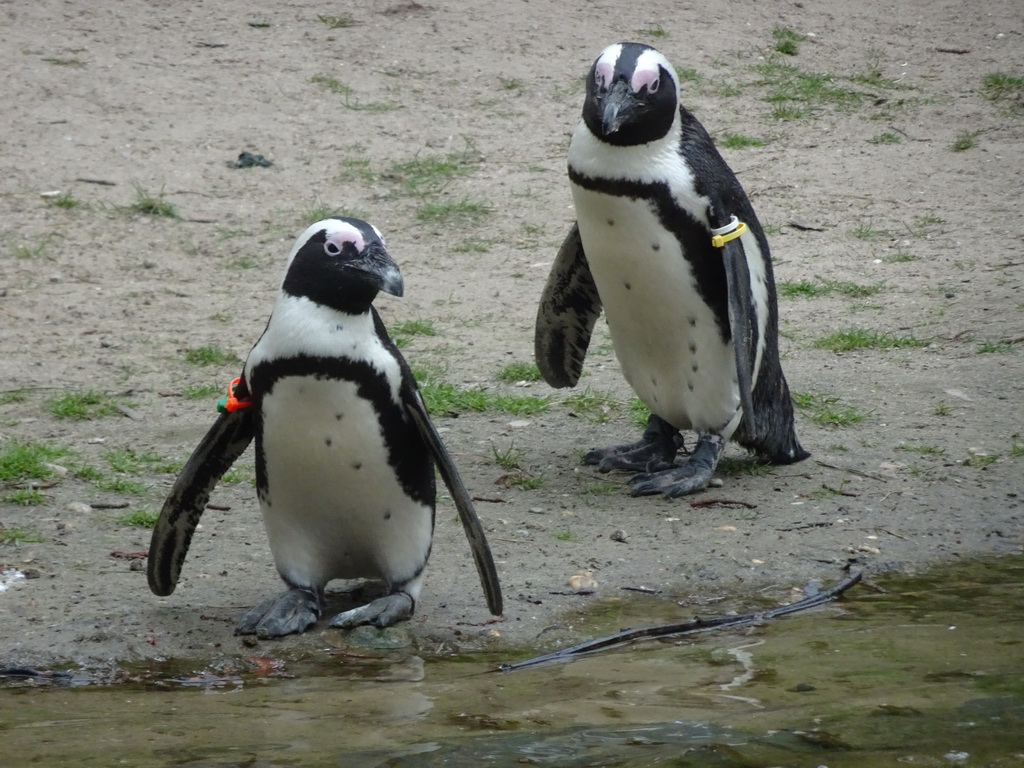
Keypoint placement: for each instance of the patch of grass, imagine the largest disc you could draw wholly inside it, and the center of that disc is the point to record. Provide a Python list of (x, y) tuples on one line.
[(431, 173), (28, 461), (927, 225), (734, 467), (209, 355), (812, 288), (515, 372), (981, 460), (787, 112), (787, 41), (508, 458), (415, 328), (656, 31), (997, 86), (16, 536), (565, 534), (899, 256), (591, 405), (885, 138), (202, 391), (29, 252), (444, 397), (510, 83), (688, 75), (82, 406), (239, 475), (66, 200), (739, 141), (152, 205), (58, 62), (943, 409), (787, 83), (864, 231), (141, 518), (317, 211), (996, 347), (638, 412), (25, 497), (119, 485), (464, 209), (129, 462), (964, 141), (13, 396), (862, 338), (1016, 449), (332, 84), (826, 410), (526, 481), (344, 21)]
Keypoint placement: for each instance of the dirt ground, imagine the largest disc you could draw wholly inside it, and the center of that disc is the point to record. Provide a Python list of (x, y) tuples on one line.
[(863, 195)]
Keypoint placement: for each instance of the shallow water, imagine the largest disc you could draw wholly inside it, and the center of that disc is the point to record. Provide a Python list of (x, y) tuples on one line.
[(930, 674)]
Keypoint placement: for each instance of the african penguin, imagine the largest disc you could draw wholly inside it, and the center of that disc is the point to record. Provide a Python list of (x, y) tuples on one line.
[(667, 243), (345, 450)]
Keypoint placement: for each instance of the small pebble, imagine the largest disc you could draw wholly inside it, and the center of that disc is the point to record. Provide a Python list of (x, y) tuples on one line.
[(583, 581), (79, 507), (619, 535)]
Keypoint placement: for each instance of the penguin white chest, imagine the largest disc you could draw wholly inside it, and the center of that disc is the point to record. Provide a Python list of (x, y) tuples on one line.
[(333, 505), (665, 335)]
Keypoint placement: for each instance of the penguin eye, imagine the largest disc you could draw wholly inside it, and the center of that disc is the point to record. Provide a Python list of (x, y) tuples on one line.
[(653, 85), (333, 249)]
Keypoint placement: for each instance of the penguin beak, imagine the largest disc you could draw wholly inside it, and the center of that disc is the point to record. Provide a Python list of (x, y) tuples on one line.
[(376, 264), (619, 105)]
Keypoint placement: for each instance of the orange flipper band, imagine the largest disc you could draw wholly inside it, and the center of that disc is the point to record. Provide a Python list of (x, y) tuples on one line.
[(229, 403)]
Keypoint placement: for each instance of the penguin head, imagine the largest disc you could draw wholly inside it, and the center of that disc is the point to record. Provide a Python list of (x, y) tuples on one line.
[(632, 95), (341, 263)]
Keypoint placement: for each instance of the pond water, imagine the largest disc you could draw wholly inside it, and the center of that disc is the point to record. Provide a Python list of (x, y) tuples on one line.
[(931, 673)]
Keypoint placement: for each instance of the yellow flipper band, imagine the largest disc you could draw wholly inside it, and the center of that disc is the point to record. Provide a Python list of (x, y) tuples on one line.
[(730, 231)]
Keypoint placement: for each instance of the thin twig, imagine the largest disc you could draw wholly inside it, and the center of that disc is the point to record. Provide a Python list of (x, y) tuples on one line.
[(684, 627)]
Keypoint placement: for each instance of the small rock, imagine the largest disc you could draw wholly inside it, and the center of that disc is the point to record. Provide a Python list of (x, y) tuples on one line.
[(536, 511), (57, 469), (79, 507), (715, 482), (619, 535), (519, 424), (136, 565), (583, 581)]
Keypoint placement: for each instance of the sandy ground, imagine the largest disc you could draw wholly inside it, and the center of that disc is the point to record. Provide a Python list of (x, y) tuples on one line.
[(863, 193)]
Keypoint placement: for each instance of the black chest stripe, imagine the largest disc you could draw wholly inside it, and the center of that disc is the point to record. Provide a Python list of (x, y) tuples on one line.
[(693, 237), (407, 452)]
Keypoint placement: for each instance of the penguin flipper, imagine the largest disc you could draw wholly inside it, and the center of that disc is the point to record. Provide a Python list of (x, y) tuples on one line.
[(569, 307), (463, 503), (225, 441), (742, 322)]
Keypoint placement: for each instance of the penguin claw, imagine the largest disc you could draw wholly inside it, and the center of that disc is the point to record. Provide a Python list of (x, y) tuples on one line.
[(382, 612), (287, 614), (693, 475)]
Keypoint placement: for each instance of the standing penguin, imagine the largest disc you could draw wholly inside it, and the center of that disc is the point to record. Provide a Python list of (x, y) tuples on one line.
[(345, 450), (667, 243)]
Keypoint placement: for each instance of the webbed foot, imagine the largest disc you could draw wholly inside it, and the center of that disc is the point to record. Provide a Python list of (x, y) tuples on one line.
[(693, 475), (382, 612), (656, 450), (287, 614)]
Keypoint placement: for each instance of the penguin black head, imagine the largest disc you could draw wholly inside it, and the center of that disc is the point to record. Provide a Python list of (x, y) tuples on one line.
[(341, 263), (632, 95)]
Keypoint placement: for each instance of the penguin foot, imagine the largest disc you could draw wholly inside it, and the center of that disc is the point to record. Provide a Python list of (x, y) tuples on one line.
[(287, 614), (382, 612), (655, 451), (693, 475)]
